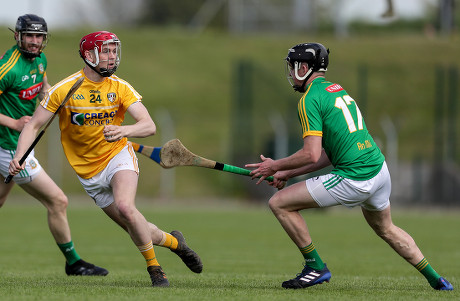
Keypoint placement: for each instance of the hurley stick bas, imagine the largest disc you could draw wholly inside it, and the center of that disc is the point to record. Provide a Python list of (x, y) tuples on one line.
[(174, 153), (72, 90)]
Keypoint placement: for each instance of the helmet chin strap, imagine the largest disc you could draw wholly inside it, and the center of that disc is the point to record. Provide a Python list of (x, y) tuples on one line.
[(104, 72)]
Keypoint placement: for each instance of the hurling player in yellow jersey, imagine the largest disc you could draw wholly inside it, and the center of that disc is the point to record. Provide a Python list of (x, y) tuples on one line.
[(23, 81), (96, 146)]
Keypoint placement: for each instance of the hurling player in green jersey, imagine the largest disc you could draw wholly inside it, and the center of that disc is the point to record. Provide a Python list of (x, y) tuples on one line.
[(334, 133), (23, 81)]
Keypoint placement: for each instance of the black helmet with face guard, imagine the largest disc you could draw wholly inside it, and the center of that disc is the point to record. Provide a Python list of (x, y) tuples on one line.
[(29, 24), (315, 55)]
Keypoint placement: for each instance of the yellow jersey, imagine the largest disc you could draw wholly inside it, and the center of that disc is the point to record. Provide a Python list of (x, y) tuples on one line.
[(84, 116)]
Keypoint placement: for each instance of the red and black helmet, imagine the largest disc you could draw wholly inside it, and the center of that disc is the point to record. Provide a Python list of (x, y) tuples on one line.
[(96, 42)]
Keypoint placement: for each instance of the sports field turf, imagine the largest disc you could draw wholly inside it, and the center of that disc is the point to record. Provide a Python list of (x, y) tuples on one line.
[(245, 252)]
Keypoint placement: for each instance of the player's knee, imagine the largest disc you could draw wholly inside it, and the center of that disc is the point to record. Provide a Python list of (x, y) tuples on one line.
[(60, 202), (127, 213), (273, 203)]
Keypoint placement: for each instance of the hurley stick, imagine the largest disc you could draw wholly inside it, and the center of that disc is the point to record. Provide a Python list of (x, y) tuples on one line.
[(174, 153)]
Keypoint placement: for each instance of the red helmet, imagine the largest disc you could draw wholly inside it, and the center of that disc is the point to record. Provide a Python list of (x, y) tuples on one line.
[(96, 42)]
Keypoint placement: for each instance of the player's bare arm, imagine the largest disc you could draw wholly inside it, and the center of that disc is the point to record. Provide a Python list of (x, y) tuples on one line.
[(310, 153), (14, 124), (282, 176), (28, 134), (46, 86), (143, 127), (320, 164)]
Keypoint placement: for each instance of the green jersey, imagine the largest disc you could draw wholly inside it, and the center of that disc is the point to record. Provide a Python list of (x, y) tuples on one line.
[(21, 80), (326, 110)]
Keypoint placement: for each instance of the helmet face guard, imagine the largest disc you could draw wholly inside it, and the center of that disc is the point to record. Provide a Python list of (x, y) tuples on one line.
[(31, 24), (295, 69), (102, 45), (315, 55)]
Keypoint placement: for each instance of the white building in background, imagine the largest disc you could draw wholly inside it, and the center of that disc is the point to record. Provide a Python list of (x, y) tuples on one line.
[(67, 14)]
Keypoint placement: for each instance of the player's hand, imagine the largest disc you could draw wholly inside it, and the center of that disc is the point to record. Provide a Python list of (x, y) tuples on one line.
[(112, 133), (280, 179), (21, 122), (263, 169), (14, 167), (278, 184)]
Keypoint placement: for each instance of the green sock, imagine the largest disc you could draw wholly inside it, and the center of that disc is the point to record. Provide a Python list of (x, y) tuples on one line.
[(312, 258), (69, 252), (430, 274)]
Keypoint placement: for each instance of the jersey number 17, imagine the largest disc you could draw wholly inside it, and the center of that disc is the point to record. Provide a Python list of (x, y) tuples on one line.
[(342, 103)]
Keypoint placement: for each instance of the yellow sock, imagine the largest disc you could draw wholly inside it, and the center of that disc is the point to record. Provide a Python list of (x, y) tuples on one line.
[(149, 254), (169, 241)]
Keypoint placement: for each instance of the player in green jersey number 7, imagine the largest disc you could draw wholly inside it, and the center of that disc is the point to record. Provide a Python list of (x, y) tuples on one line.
[(334, 133), (23, 81)]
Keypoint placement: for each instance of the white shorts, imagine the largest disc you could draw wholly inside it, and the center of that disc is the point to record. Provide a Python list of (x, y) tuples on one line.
[(98, 187), (25, 176), (373, 195)]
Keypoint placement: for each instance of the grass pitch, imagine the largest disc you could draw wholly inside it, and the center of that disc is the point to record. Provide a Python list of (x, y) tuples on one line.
[(245, 252)]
